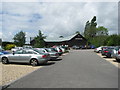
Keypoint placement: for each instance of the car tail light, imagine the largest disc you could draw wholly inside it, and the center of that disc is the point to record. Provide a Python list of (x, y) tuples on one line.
[(56, 54), (118, 52), (44, 56), (60, 50), (105, 51)]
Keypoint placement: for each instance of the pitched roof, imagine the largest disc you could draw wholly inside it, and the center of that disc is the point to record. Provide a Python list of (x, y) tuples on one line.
[(48, 39), (60, 39)]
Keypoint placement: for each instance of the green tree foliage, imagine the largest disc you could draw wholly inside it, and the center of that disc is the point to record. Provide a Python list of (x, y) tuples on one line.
[(87, 29), (101, 30), (93, 25), (98, 40), (95, 35), (61, 37), (39, 40), (19, 38), (90, 28), (112, 40), (77, 32)]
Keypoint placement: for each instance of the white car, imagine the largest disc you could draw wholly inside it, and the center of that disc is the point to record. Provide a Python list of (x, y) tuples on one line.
[(116, 54), (16, 48), (98, 50)]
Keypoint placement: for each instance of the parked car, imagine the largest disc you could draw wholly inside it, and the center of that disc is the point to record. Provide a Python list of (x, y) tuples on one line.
[(108, 52), (58, 49), (75, 47), (27, 47), (63, 49), (116, 53), (98, 50), (3, 52), (53, 55), (16, 48), (26, 56), (117, 57), (103, 50), (92, 46)]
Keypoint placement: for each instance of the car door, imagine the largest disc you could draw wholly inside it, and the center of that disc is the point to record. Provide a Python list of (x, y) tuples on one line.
[(15, 57), (25, 57)]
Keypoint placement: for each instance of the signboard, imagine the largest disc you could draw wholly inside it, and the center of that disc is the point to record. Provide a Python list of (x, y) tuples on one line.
[(78, 38)]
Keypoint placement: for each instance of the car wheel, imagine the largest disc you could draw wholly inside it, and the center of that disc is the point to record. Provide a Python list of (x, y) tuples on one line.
[(5, 60), (34, 62)]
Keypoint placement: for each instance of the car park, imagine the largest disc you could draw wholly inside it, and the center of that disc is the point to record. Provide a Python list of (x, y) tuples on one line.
[(26, 56), (109, 51)]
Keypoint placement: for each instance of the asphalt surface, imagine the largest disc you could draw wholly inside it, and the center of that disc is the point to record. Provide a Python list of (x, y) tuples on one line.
[(78, 69)]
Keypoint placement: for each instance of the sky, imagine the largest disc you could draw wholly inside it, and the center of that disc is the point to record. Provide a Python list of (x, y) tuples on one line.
[(54, 18)]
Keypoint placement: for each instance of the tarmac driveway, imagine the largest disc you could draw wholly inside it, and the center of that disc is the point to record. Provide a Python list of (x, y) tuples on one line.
[(78, 69)]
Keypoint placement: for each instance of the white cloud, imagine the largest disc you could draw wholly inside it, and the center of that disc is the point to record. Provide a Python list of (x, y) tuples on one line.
[(55, 19), (59, 0)]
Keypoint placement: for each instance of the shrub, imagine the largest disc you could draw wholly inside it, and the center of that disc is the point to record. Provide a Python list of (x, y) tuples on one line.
[(9, 46)]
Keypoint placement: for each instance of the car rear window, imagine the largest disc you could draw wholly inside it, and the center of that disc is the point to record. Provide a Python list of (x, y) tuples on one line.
[(39, 51)]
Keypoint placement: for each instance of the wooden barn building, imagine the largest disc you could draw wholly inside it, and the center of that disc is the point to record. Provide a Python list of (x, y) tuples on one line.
[(75, 39)]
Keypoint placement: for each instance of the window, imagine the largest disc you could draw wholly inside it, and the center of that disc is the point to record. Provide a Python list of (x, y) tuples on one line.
[(19, 52), (30, 52)]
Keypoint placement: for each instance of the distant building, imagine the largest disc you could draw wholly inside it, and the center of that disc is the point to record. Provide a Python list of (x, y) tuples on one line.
[(76, 39)]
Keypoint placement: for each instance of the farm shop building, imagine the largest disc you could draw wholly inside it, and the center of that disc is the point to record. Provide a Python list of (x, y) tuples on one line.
[(76, 39)]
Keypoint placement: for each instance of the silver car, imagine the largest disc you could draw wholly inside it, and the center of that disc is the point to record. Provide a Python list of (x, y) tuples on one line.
[(53, 55), (117, 56), (116, 53), (26, 56)]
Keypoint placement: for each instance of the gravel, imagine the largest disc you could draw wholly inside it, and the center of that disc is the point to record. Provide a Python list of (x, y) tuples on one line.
[(11, 72)]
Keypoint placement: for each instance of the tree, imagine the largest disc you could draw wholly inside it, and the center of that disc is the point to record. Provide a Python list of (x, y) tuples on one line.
[(112, 40), (87, 28), (39, 40), (93, 27), (90, 28), (94, 35), (61, 37), (77, 32), (101, 30), (19, 39)]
